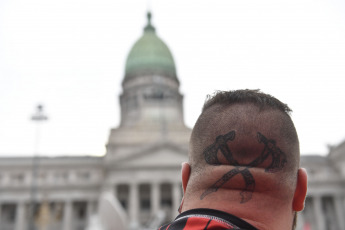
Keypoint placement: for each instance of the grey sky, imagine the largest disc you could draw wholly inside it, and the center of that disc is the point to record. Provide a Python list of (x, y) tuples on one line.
[(70, 54)]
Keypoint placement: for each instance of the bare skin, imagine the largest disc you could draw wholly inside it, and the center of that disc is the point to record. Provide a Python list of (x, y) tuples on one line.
[(257, 212), (245, 171)]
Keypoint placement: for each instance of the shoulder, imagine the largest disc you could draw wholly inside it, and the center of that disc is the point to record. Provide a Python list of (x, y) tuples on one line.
[(206, 219)]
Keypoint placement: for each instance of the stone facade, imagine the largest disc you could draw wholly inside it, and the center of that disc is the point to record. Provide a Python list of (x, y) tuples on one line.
[(325, 203), (69, 186), (142, 165)]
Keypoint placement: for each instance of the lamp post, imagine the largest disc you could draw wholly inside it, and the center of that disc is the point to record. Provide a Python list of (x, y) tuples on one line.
[(38, 117)]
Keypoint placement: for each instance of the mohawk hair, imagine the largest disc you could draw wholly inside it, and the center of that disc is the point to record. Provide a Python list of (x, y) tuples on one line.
[(255, 97)]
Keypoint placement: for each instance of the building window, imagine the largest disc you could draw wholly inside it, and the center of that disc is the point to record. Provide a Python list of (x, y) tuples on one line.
[(61, 176), (144, 196), (17, 177), (79, 210), (42, 176), (166, 195), (122, 191), (79, 215), (329, 213), (8, 213), (56, 211), (85, 175)]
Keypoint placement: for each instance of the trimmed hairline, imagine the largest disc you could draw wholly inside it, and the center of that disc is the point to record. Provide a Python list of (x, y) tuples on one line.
[(211, 100)]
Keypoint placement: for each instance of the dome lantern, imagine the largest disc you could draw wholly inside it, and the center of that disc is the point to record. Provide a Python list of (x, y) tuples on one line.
[(150, 56)]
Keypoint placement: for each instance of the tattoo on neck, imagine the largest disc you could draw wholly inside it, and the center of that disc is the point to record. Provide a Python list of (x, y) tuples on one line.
[(221, 144)]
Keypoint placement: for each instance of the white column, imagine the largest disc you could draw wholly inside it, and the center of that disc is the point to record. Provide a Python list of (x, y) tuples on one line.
[(133, 206), (339, 208), (319, 216), (67, 216), (176, 198), (110, 188), (89, 210), (114, 190), (20, 216), (155, 199)]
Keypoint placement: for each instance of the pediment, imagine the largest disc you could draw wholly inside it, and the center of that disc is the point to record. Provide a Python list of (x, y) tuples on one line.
[(156, 156), (337, 153)]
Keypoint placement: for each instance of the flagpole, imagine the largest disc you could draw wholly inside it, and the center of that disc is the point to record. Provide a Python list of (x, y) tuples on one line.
[(37, 118)]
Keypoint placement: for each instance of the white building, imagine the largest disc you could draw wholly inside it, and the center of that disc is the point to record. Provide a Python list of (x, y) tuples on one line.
[(325, 203), (142, 164)]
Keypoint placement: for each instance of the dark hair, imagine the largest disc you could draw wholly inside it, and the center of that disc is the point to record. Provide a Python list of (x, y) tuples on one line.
[(211, 123), (256, 97)]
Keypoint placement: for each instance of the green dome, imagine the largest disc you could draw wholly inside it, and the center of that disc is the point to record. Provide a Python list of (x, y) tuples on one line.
[(150, 55)]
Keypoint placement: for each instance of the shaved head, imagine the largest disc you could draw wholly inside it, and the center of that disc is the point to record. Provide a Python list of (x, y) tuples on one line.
[(248, 135)]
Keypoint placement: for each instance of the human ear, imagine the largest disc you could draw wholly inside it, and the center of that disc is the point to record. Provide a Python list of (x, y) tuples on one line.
[(185, 171), (301, 190)]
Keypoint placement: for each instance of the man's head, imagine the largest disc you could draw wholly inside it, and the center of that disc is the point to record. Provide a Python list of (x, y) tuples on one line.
[(244, 153)]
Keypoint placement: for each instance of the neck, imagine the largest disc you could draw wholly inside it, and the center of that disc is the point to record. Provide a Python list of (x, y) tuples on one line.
[(258, 211)]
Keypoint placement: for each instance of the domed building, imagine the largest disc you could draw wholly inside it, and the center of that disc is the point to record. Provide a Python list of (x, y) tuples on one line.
[(140, 170), (145, 152), (137, 183)]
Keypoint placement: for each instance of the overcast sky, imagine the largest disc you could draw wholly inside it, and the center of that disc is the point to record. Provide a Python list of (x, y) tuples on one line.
[(70, 55)]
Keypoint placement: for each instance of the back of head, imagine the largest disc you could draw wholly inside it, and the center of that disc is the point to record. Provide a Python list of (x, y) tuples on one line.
[(244, 144)]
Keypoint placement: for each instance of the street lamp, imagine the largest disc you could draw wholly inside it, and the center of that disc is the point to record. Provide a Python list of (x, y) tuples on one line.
[(38, 117)]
